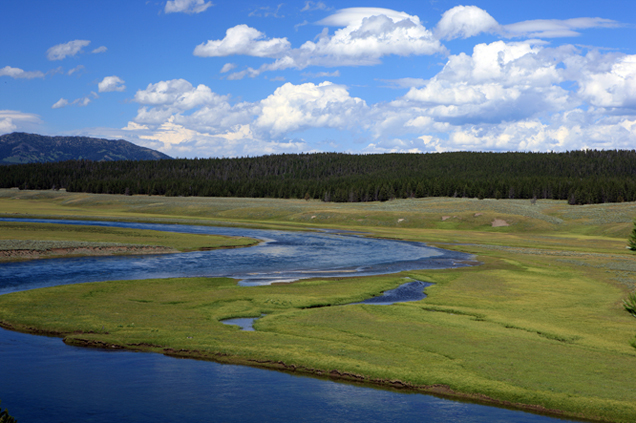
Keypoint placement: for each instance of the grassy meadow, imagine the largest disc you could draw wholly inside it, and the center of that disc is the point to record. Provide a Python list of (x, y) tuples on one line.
[(540, 324)]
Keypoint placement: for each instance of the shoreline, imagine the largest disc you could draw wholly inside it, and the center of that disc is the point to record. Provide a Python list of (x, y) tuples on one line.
[(439, 390), (88, 251)]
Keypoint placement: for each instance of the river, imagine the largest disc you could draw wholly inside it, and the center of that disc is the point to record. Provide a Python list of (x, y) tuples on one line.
[(44, 380)]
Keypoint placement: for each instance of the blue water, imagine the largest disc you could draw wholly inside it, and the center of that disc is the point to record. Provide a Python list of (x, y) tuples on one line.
[(44, 380), (407, 292), (281, 257)]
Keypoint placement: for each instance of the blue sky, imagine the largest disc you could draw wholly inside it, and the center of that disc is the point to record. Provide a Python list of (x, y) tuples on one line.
[(200, 78)]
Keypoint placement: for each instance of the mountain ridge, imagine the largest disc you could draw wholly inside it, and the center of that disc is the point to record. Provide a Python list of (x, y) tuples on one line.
[(21, 148)]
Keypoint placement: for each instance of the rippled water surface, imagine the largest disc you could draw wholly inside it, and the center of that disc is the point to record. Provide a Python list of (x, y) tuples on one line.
[(43, 380), (281, 257)]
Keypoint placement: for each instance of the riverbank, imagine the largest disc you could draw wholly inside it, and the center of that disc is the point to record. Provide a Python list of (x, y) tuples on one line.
[(80, 251), (539, 324), (30, 240)]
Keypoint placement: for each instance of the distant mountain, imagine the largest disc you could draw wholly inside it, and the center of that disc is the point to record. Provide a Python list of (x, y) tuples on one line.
[(19, 147)]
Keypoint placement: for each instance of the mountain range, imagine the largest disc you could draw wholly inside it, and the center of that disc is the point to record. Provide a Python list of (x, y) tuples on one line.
[(19, 147)]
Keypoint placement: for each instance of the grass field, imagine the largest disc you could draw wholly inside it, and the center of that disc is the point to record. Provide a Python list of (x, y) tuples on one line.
[(540, 324)]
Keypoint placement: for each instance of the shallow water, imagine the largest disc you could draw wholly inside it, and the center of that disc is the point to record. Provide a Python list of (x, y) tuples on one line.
[(281, 257), (407, 292), (44, 380)]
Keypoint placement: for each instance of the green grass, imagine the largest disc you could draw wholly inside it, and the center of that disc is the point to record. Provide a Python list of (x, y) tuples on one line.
[(47, 236), (541, 322)]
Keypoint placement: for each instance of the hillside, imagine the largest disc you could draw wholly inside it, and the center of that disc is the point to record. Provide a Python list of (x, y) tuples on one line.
[(19, 147)]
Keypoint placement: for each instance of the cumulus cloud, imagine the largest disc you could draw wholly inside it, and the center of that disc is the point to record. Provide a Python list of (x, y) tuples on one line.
[(18, 73), (101, 49), (613, 88), (353, 16), (182, 116), (187, 6), (207, 110), (500, 81), (464, 22), (297, 107), (368, 35), (177, 94), (504, 96), (61, 51), (244, 40), (12, 120), (111, 83), (62, 102)]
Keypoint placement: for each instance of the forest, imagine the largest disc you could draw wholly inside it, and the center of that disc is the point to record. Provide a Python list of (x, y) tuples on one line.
[(580, 177)]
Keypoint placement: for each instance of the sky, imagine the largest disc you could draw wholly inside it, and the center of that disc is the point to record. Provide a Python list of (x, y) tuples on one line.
[(217, 78)]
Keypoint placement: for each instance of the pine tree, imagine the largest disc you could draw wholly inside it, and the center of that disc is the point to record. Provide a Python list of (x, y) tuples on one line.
[(632, 239)]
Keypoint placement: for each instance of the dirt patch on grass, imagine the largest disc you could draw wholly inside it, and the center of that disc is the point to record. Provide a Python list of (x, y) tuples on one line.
[(499, 222)]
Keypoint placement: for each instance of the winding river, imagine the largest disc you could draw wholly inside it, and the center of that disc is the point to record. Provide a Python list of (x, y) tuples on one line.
[(44, 380)]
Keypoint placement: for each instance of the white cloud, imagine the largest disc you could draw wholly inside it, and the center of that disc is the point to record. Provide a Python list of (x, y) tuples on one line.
[(353, 16), (207, 111), (85, 101), (61, 51), (18, 73), (500, 81), (101, 49), (505, 96), (187, 6), (244, 40), (111, 83), (75, 69), (554, 28), (572, 130), (267, 11), (62, 102), (227, 67), (80, 102), (464, 22), (369, 35), (12, 120), (176, 94), (311, 5), (297, 107), (468, 21), (613, 88)]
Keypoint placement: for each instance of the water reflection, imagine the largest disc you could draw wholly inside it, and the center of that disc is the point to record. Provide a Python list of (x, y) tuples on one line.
[(282, 257), (50, 382), (43, 380)]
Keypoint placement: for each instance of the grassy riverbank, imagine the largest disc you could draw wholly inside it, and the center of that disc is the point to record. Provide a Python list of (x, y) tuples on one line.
[(539, 325), (31, 240)]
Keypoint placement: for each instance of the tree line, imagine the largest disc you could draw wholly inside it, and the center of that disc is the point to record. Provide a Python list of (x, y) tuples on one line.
[(581, 177)]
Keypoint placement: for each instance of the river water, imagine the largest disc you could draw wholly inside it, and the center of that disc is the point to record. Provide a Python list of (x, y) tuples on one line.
[(44, 380)]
